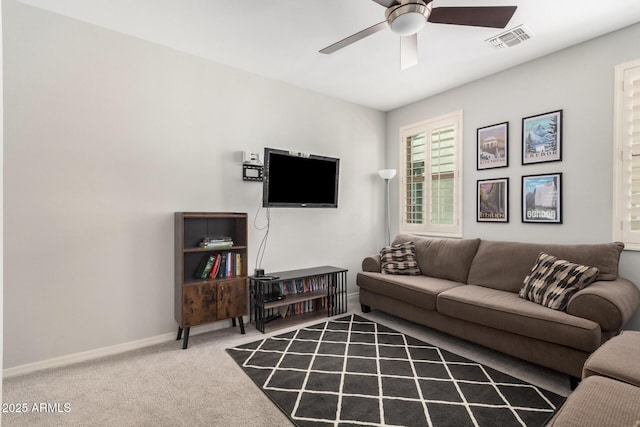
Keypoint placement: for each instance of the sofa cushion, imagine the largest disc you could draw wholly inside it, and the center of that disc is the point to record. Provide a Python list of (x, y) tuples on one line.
[(504, 265), (508, 312), (420, 291), (443, 258), (618, 358), (600, 402), (399, 259), (553, 281)]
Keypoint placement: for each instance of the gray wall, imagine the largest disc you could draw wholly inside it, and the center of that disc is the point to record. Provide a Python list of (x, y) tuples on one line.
[(106, 136), (578, 80)]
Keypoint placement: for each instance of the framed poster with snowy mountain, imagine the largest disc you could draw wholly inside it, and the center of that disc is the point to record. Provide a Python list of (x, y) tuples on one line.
[(542, 138), (542, 198)]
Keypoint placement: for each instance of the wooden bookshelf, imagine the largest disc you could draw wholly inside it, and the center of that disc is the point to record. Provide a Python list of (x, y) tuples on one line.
[(203, 300), (297, 296)]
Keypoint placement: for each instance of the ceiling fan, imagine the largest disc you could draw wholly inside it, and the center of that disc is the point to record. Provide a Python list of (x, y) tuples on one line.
[(407, 17)]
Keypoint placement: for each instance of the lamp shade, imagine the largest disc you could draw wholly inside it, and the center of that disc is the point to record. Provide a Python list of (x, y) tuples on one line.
[(387, 173)]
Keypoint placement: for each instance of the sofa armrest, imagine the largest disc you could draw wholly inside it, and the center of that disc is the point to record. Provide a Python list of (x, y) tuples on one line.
[(372, 264), (608, 303)]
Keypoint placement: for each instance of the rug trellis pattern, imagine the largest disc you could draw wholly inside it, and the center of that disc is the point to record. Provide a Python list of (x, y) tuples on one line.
[(353, 371)]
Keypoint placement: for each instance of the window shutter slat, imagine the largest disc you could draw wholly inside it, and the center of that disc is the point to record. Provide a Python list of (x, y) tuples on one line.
[(443, 163), (634, 150), (414, 202)]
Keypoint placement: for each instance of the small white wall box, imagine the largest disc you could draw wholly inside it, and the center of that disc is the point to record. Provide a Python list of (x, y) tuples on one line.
[(251, 158)]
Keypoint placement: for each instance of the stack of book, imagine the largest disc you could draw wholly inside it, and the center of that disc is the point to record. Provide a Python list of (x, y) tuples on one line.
[(216, 242)]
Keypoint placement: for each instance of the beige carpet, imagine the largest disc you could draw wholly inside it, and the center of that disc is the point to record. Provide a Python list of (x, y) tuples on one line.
[(164, 385)]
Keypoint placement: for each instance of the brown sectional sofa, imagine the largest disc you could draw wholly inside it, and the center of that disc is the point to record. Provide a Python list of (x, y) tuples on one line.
[(469, 288), (609, 394)]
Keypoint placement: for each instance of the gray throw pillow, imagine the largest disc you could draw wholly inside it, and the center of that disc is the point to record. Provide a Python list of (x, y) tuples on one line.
[(399, 259), (552, 281)]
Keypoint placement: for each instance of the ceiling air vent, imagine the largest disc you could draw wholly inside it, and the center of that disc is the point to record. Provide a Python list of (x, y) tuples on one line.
[(510, 37)]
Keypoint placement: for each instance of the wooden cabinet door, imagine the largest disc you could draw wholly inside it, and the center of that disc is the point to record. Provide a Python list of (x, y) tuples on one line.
[(199, 304), (232, 298)]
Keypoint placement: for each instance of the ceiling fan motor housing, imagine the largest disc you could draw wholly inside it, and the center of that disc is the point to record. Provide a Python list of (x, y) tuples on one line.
[(409, 17)]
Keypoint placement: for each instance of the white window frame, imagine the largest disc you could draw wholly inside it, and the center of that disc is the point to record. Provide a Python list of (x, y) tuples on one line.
[(624, 117), (437, 230)]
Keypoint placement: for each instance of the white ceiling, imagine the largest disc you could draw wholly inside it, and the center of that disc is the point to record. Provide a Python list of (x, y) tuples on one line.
[(280, 39)]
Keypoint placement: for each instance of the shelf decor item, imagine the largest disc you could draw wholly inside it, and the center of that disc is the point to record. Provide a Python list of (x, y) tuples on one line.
[(493, 200), (493, 146), (210, 269), (542, 198), (542, 138)]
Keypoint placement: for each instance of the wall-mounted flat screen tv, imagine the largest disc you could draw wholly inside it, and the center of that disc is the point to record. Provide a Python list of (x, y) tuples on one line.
[(299, 180)]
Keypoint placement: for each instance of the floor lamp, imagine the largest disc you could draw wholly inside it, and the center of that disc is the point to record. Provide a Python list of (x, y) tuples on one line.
[(387, 175)]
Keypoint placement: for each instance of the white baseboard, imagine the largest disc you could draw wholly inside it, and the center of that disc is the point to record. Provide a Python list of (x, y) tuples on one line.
[(84, 356)]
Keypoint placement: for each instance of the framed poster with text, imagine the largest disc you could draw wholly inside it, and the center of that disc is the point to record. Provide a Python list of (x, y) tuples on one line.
[(542, 138), (493, 200), (542, 198), (492, 146)]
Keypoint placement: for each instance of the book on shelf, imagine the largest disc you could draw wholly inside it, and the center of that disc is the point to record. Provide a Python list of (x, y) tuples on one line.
[(208, 267), (216, 266), (201, 266), (238, 264), (229, 265), (204, 267), (223, 266)]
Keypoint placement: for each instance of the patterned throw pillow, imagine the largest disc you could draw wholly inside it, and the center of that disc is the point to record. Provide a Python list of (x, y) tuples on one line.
[(552, 281), (399, 259)]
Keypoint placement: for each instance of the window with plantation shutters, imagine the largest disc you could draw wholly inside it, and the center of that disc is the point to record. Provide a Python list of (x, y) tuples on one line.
[(430, 181), (626, 192)]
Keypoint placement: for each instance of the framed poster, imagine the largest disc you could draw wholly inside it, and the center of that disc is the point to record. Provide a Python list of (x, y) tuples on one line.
[(492, 146), (542, 138), (493, 200), (542, 198)]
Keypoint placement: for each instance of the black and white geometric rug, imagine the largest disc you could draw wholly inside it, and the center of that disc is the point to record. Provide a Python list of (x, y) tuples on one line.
[(353, 371)]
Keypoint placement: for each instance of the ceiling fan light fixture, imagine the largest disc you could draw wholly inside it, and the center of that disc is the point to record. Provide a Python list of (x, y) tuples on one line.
[(408, 18), (409, 23)]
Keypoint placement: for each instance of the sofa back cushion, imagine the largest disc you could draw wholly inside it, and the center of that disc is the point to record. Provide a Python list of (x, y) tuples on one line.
[(443, 258), (504, 265)]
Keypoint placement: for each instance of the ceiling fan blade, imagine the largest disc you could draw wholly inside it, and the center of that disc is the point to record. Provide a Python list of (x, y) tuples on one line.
[(387, 3), (355, 37), (489, 16), (408, 51)]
